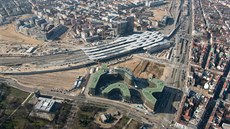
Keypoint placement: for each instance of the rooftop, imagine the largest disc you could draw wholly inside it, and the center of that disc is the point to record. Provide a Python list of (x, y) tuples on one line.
[(96, 76), (125, 71), (45, 104), (147, 92), (145, 40), (121, 86)]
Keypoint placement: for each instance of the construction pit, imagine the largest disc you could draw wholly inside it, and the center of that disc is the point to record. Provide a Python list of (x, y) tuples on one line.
[(145, 69)]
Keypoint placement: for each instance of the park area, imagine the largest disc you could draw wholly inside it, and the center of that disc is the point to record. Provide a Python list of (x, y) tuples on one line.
[(88, 117), (15, 107), (12, 114)]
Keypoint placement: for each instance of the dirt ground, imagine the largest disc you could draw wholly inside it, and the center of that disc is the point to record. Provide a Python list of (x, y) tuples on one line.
[(59, 80), (15, 43), (145, 69), (134, 125), (65, 79), (107, 125), (158, 14), (8, 33)]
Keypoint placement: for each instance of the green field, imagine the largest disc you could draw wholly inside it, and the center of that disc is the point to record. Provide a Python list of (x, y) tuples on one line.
[(85, 117), (12, 99), (134, 125), (122, 122)]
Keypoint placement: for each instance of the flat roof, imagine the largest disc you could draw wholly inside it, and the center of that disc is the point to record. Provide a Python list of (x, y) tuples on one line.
[(147, 92), (44, 104), (121, 86), (94, 78)]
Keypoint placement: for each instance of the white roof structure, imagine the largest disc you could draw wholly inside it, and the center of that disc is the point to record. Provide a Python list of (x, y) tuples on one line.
[(124, 45), (45, 104), (225, 126), (103, 118)]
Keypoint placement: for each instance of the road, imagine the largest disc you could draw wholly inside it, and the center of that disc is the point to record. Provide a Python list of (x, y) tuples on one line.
[(126, 108), (48, 60), (160, 61), (180, 53), (178, 66), (83, 65), (22, 104)]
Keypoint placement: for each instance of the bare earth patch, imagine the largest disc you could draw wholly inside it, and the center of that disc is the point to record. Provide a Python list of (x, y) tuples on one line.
[(59, 80), (145, 69), (9, 35)]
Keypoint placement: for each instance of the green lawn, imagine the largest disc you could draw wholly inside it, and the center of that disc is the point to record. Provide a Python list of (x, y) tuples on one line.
[(134, 125), (123, 121), (85, 117), (12, 100)]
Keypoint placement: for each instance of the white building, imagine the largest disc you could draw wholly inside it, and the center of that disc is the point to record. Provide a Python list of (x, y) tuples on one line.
[(46, 104)]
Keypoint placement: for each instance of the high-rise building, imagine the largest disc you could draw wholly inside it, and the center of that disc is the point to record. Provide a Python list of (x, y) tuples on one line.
[(121, 27), (125, 27), (130, 25)]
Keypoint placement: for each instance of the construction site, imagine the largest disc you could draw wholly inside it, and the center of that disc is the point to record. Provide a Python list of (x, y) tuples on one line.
[(146, 57), (22, 52)]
